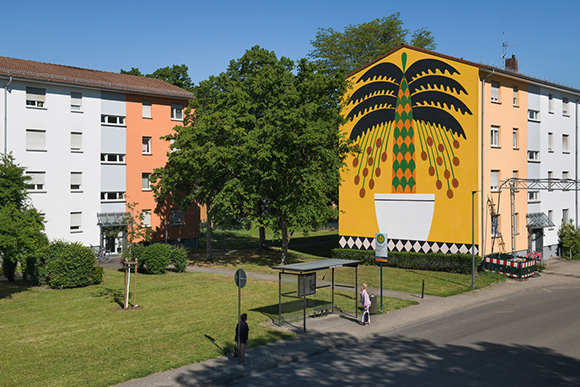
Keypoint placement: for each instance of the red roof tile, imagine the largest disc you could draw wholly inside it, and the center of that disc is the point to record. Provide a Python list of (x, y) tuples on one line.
[(26, 69)]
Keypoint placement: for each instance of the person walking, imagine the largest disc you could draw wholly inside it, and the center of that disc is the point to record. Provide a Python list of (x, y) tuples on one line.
[(243, 339), (365, 301)]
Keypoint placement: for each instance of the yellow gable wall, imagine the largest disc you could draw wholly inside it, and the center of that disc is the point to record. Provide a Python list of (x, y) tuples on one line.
[(437, 150)]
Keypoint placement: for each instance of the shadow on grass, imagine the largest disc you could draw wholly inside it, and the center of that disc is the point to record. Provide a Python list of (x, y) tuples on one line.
[(290, 308), (115, 295), (8, 289)]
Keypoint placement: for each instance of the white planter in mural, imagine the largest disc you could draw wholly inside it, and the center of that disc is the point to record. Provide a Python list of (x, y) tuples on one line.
[(405, 216)]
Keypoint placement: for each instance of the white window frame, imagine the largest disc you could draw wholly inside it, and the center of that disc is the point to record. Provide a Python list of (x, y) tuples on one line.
[(146, 145), (76, 101), (565, 216), (515, 138), (76, 141), (76, 181), (550, 142), (35, 97), (565, 106), (107, 119), (515, 96), (494, 180), (36, 182), (534, 156), (76, 221), (533, 196), (145, 183), (494, 140), (112, 196), (550, 178), (550, 103), (36, 140), (565, 143), (146, 109), (112, 158), (495, 91), (146, 214), (176, 112), (565, 174), (533, 115)]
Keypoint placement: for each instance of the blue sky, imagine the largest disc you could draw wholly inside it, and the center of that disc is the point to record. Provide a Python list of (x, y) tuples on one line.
[(205, 35)]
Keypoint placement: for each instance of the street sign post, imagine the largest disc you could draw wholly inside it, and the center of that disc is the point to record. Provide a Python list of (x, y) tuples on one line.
[(240, 280), (381, 255)]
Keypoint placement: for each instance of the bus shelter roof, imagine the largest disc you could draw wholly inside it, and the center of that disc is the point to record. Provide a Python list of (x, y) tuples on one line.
[(323, 264)]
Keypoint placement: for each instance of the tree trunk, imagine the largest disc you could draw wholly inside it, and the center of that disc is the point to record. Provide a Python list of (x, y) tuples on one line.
[(285, 241), (262, 238), (208, 228)]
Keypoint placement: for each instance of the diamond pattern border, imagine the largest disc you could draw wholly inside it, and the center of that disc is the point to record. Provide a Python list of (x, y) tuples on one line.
[(363, 243)]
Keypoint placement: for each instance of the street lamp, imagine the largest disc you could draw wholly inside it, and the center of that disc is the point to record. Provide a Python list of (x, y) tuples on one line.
[(473, 239)]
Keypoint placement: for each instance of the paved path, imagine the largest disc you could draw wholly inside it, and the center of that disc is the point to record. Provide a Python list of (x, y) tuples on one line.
[(334, 331)]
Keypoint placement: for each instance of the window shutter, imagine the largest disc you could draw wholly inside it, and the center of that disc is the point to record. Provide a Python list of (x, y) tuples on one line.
[(35, 139), (35, 94), (76, 140), (147, 109)]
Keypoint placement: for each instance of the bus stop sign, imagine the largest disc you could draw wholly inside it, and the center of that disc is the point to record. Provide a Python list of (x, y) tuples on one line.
[(240, 278)]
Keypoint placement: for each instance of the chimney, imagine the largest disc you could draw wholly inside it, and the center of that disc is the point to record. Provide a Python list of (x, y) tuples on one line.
[(511, 64)]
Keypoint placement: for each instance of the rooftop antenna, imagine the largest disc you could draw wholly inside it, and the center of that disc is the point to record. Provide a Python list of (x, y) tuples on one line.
[(504, 46)]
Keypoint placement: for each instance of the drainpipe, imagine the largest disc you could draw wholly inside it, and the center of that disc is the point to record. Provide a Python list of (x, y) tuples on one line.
[(482, 244), (576, 165), (6, 117)]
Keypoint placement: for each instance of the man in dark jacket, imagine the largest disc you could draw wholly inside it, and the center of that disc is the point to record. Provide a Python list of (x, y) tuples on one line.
[(244, 331)]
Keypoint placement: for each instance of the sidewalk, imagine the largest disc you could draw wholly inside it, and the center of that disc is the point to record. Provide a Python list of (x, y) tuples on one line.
[(326, 333)]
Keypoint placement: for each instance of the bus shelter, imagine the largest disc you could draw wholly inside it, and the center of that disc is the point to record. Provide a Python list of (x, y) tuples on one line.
[(306, 271)]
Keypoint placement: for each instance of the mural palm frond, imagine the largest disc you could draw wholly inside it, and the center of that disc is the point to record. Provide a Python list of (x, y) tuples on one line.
[(406, 106)]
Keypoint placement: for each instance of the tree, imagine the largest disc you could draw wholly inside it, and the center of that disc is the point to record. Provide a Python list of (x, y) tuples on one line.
[(20, 223), (362, 43), (267, 142), (175, 75), (569, 240)]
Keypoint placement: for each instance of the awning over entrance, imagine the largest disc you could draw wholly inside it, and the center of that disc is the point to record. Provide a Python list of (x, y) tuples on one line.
[(539, 220), (112, 219)]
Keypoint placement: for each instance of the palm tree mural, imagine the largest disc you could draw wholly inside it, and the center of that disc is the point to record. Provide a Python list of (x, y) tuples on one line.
[(410, 107)]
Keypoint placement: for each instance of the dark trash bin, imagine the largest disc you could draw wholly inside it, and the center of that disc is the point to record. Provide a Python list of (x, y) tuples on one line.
[(373, 307)]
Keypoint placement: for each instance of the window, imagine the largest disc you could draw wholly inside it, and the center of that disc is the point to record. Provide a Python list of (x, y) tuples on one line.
[(146, 149), (565, 144), (112, 158), (35, 97), (550, 142), (75, 221), (516, 219), (176, 112), (494, 91), (146, 218), (76, 179), (36, 182), (515, 138), (176, 217), (495, 226), (76, 141), (35, 140), (76, 100), (565, 175), (515, 96), (145, 182), (146, 109), (112, 120), (495, 136), (550, 176), (515, 174), (550, 103), (533, 115), (565, 110), (112, 196), (533, 196), (533, 155), (494, 181), (565, 216), (551, 216)]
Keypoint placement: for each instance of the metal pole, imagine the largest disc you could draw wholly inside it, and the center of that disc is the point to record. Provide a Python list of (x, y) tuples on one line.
[(280, 298), (135, 291), (576, 166), (333, 287), (381, 286), (304, 304), (239, 320), (473, 239), (356, 291)]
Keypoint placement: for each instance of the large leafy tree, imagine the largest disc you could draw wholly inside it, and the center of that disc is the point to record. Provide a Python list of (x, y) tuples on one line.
[(176, 75), (362, 43), (20, 223), (266, 136)]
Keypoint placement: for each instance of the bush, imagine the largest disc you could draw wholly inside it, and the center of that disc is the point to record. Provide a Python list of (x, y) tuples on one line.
[(451, 263), (9, 268), (179, 258), (70, 266), (97, 278), (569, 240), (156, 258)]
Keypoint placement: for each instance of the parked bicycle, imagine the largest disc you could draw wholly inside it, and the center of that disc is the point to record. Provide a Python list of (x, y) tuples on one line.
[(103, 255)]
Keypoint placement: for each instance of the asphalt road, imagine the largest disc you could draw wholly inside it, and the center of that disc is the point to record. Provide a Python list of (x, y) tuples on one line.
[(526, 339)]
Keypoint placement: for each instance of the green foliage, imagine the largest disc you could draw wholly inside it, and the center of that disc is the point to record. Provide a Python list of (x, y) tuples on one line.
[(134, 71), (362, 43), (262, 144), (569, 240), (175, 75), (451, 263), (156, 257), (20, 224), (179, 258), (97, 277), (71, 267)]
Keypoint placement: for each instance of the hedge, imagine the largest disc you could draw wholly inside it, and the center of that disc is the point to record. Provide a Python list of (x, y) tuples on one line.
[(155, 258), (451, 263)]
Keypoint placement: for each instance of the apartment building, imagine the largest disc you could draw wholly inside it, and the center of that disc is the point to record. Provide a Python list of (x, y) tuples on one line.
[(441, 143), (79, 136)]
